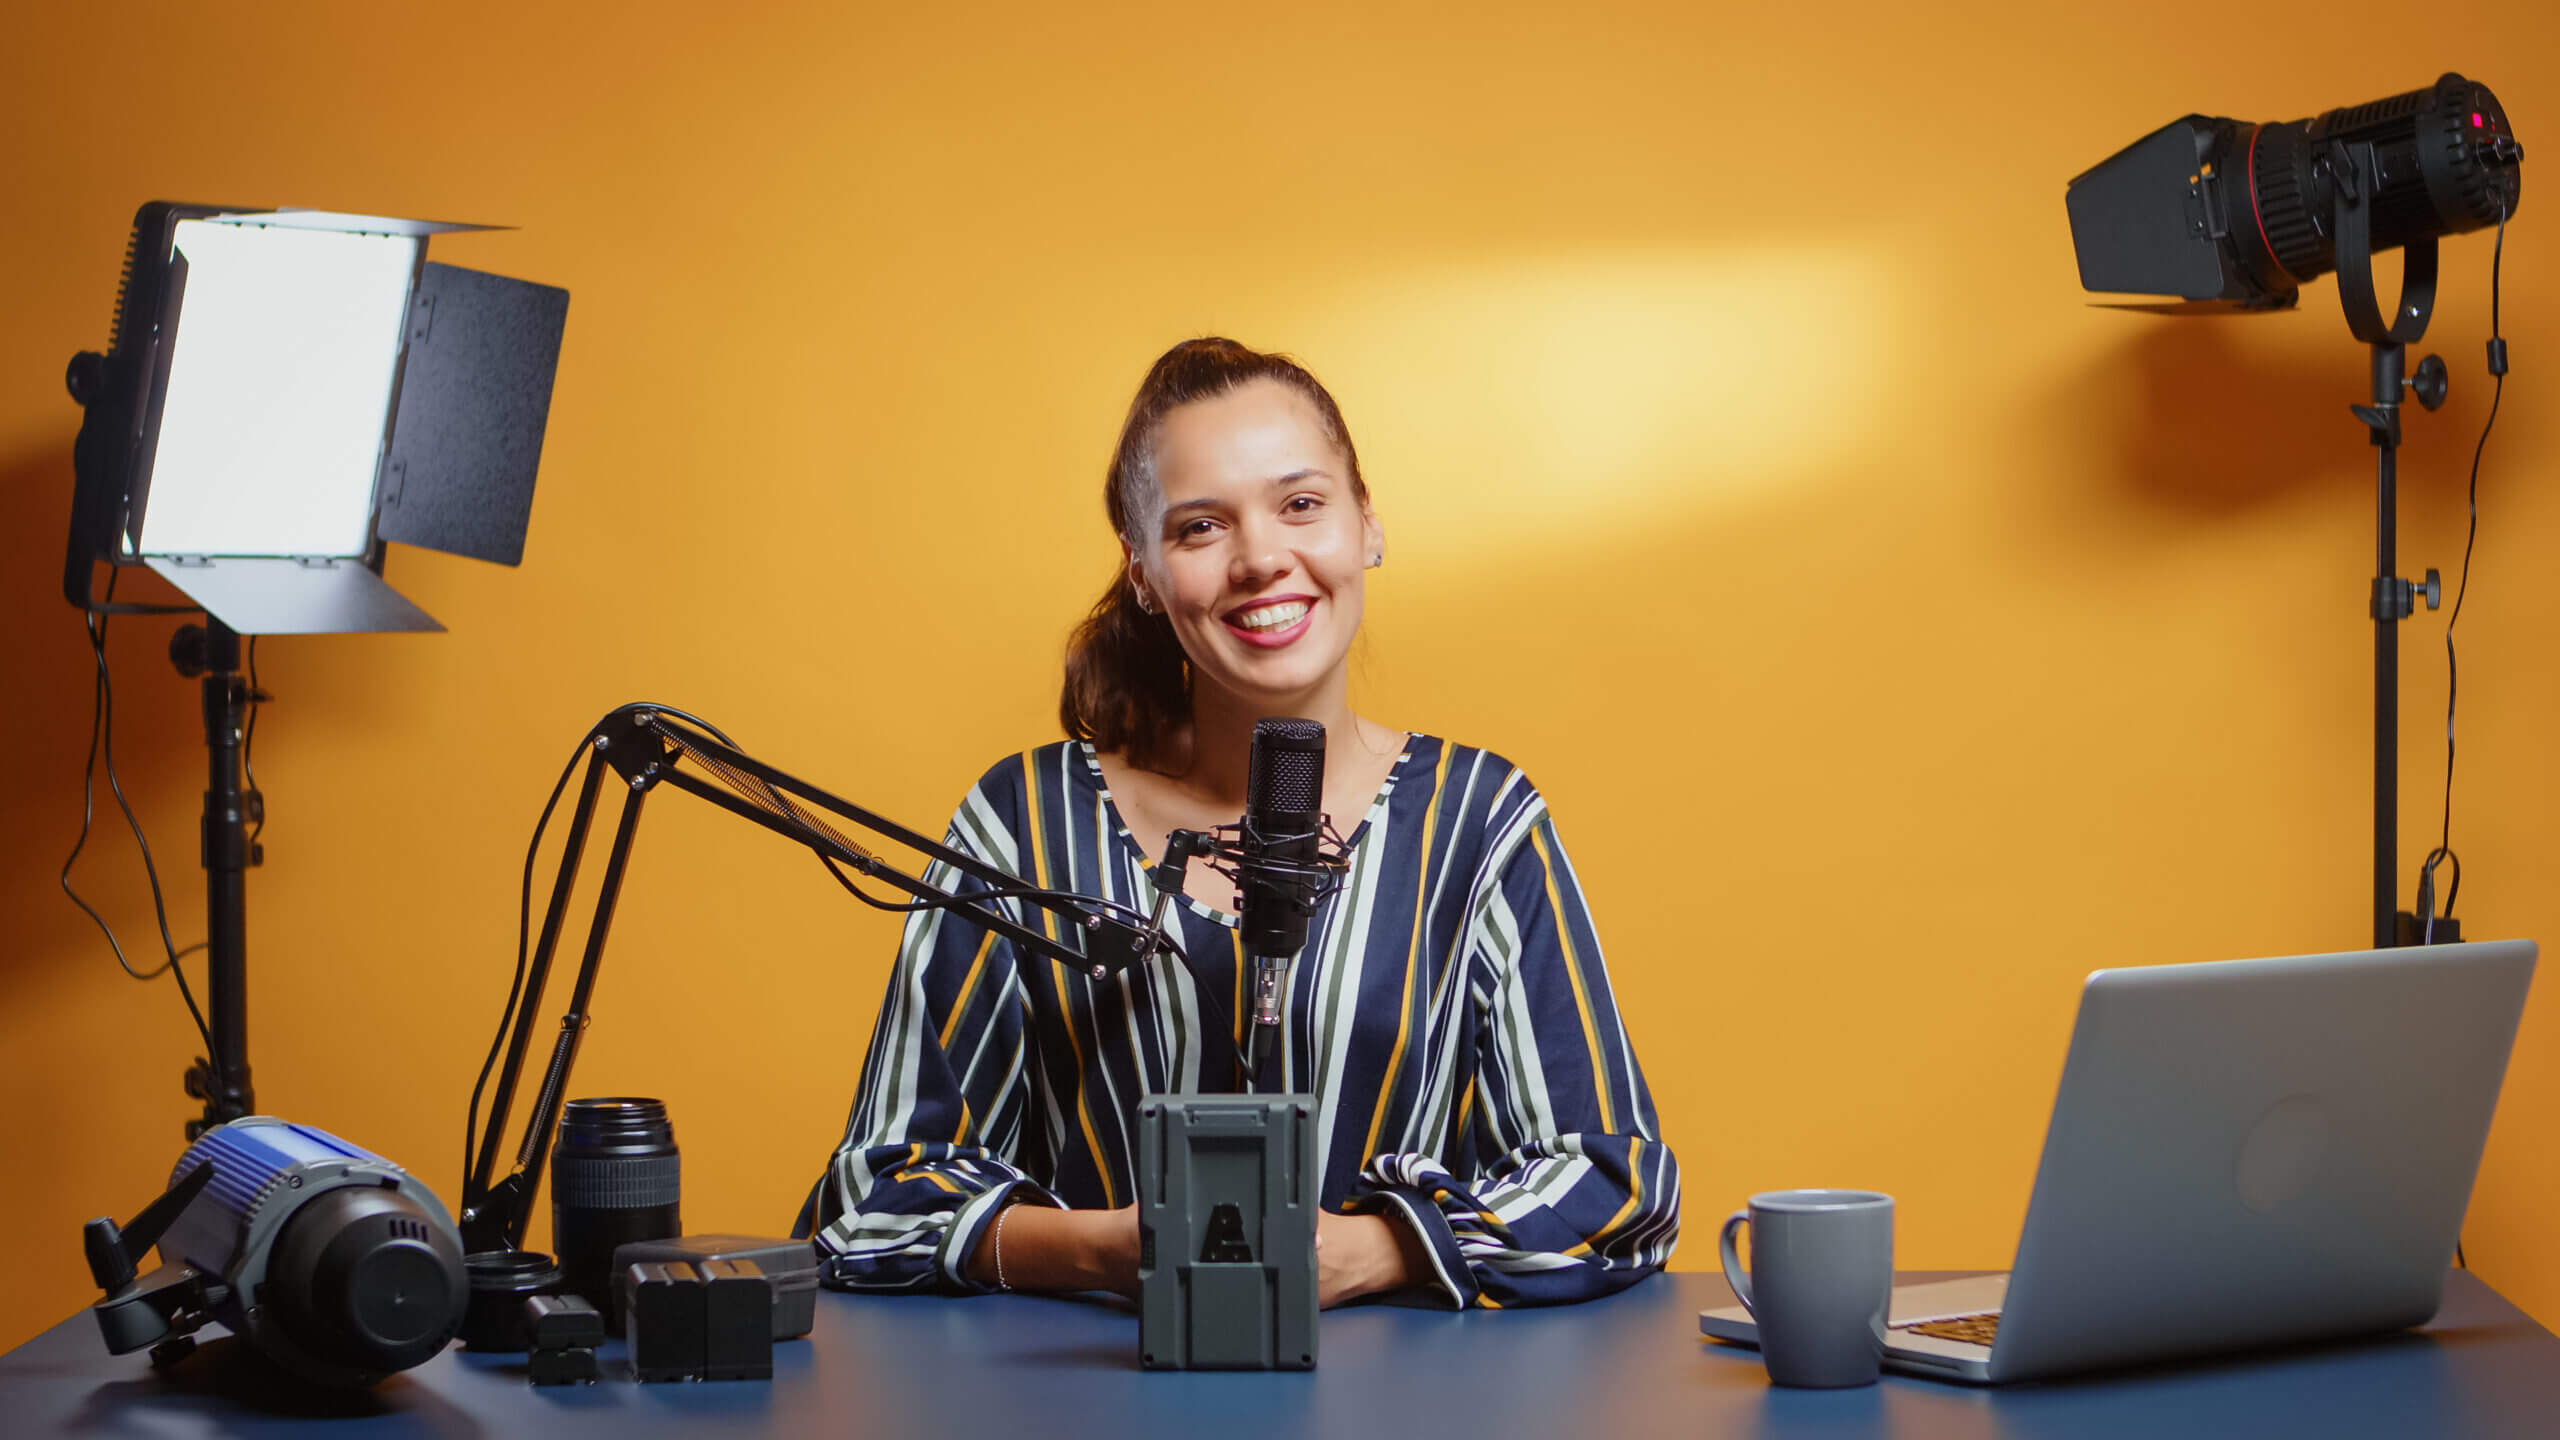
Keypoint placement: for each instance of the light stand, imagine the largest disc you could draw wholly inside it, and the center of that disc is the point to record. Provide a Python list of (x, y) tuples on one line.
[(221, 1080), (2393, 599), (645, 747), (284, 392)]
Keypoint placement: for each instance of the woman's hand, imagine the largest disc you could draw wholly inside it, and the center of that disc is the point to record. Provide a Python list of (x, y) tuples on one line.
[(1111, 1239), (1360, 1255), (1044, 1248)]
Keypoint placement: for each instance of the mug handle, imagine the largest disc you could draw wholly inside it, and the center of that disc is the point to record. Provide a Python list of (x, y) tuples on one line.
[(1733, 1275)]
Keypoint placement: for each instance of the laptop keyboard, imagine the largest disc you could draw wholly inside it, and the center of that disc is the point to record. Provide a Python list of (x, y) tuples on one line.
[(1971, 1329)]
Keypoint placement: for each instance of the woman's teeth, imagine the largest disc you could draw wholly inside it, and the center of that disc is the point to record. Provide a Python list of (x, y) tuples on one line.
[(1272, 617)]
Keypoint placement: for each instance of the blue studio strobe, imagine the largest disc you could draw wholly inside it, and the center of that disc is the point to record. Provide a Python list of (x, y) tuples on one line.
[(330, 1259)]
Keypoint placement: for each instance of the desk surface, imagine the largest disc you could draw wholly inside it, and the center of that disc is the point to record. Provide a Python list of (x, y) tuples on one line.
[(1018, 1366)]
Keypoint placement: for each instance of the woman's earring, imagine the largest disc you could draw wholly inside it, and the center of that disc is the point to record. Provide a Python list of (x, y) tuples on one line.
[(1378, 558), (1144, 601)]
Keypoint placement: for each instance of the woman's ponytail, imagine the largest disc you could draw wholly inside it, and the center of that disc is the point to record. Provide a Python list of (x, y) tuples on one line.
[(1128, 686)]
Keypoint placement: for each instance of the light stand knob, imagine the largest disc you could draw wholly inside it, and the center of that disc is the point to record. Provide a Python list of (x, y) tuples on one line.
[(2429, 385), (86, 377), (187, 651)]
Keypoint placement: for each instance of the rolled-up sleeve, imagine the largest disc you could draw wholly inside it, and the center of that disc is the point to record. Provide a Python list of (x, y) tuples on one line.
[(932, 1148), (1578, 1196)]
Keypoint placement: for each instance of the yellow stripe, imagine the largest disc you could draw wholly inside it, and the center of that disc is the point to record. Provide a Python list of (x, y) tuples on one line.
[(1235, 938), (968, 989), (1058, 978), (968, 992), (1466, 1109), (1492, 1222), (1635, 1196), (1573, 969), (909, 1171), (1039, 867), (1412, 956)]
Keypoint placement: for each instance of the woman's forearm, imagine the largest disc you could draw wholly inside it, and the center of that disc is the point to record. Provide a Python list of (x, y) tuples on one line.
[(1050, 1249), (1043, 1248)]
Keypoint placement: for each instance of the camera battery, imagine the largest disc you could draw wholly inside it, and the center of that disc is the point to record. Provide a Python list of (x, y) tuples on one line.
[(562, 1322), (563, 1332), (573, 1365), (737, 1321), (665, 1320)]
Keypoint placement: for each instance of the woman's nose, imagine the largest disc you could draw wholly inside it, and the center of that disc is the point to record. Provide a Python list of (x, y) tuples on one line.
[(1260, 557)]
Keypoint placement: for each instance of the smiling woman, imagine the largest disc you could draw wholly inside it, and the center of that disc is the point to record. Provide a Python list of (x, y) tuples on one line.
[(1486, 1135)]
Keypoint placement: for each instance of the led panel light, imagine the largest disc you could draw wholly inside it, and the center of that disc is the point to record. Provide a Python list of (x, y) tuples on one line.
[(289, 392), (279, 390)]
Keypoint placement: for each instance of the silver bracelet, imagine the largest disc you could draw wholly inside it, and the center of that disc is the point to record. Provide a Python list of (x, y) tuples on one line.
[(999, 1244)]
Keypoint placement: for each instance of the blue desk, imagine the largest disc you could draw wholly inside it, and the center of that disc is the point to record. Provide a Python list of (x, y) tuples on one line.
[(1021, 1368)]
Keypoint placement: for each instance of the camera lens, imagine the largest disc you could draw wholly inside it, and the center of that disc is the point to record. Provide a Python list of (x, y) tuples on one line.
[(615, 1178)]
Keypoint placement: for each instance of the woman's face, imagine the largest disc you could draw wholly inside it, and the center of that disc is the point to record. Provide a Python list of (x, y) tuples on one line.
[(1258, 557)]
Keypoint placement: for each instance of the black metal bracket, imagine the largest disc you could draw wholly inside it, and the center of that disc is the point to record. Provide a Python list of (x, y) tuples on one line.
[(2352, 216), (133, 1313)]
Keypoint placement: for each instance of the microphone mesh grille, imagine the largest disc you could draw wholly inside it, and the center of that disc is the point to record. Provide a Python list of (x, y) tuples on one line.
[(1297, 780), (1287, 774)]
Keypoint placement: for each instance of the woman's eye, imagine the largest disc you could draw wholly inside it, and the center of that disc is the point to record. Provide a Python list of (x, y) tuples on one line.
[(1302, 504), (1194, 529)]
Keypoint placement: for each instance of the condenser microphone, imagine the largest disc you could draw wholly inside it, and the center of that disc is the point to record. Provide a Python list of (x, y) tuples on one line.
[(1277, 876)]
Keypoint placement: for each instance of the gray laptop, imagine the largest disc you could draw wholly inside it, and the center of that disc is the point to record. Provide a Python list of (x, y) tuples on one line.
[(2248, 1153)]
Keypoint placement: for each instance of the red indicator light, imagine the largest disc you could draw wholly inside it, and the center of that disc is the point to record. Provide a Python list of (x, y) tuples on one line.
[(2475, 119)]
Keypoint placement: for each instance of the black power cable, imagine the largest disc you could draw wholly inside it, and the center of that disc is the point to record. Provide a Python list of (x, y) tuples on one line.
[(2444, 854), (102, 721), (249, 744), (524, 931), (515, 989)]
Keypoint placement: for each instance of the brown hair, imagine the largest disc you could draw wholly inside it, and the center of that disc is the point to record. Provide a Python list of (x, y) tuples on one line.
[(1128, 685)]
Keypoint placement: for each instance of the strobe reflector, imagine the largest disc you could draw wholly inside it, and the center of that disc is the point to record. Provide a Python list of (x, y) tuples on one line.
[(2230, 215)]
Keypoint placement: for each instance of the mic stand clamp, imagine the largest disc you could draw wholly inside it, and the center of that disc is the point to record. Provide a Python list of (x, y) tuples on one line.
[(1169, 876)]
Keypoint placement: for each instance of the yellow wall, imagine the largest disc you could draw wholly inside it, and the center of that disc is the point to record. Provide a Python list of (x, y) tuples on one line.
[(1898, 638)]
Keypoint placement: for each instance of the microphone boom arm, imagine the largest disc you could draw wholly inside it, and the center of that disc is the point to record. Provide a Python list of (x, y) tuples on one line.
[(646, 748)]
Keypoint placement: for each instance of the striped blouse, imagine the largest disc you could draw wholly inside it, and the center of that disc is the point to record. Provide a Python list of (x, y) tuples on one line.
[(1450, 1012)]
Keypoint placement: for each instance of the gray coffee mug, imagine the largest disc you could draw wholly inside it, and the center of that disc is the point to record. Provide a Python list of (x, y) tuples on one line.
[(1821, 1277)]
